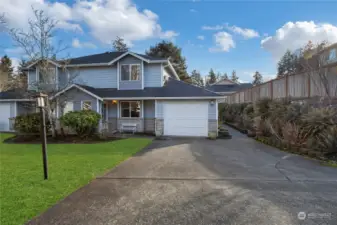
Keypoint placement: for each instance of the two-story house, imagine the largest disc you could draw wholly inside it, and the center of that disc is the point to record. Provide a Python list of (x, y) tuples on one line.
[(127, 89)]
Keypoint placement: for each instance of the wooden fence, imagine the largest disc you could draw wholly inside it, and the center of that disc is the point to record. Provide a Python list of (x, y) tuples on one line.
[(299, 86)]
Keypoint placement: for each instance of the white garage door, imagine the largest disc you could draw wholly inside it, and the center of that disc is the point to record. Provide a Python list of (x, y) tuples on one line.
[(5, 113), (186, 118)]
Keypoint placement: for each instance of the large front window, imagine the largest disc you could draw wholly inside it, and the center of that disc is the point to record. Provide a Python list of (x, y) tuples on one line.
[(130, 72), (130, 109)]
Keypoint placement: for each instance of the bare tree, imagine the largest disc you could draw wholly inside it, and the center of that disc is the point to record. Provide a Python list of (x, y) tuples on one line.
[(314, 64), (41, 52)]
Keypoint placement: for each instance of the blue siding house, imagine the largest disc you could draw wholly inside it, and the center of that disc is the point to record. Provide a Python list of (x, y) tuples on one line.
[(129, 90)]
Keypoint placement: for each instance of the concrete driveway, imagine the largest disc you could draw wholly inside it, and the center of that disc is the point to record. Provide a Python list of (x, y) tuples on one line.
[(198, 181)]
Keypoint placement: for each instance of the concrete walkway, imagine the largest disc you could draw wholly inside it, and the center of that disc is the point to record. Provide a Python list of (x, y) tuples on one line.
[(199, 181)]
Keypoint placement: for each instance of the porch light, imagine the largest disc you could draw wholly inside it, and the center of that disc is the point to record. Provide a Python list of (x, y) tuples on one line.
[(114, 101), (212, 102)]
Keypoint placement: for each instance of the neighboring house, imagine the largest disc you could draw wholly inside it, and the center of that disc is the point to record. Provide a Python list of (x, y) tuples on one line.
[(128, 90), (226, 87)]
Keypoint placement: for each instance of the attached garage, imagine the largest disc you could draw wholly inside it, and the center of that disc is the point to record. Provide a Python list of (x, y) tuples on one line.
[(186, 118), (5, 114)]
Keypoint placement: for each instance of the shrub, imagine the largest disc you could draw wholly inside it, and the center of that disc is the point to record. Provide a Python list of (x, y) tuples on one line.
[(29, 123), (261, 108), (248, 117), (318, 120), (326, 141), (84, 122), (294, 135)]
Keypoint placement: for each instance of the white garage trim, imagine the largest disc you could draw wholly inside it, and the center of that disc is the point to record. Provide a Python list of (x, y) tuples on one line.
[(5, 114), (185, 118)]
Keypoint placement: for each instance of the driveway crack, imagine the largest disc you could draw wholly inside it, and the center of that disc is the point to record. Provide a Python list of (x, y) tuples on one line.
[(279, 170)]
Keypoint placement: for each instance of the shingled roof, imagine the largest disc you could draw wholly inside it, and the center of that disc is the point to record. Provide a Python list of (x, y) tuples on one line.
[(172, 89), (222, 88)]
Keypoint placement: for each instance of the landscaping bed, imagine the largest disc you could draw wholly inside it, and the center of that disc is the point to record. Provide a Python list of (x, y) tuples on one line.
[(285, 124), (25, 194)]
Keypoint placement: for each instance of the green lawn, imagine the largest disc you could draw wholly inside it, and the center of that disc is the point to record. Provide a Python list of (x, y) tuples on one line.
[(24, 194)]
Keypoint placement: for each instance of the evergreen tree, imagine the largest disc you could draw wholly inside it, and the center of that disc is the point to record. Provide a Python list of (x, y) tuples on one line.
[(257, 78), (212, 77), (119, 45), (288, 64), (6, 65), (196, 78), (169, 50), (234, 78)]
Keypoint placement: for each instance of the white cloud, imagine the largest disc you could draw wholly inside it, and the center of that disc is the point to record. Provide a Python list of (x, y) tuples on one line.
[(105, 19), (169, 35), (294, 35), (216, 27), (245, 32), (78, 44), (200, 37), (18, 13), (223, 41), (15, 63)]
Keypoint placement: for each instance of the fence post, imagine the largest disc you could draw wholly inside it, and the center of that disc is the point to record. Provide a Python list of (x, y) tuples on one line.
[(286, 85), (271, 90), (309, 87)]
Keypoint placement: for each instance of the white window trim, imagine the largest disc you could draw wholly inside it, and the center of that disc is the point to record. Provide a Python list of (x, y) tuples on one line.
[(142, 71), (120, 109), (130, 66), (86, 101)]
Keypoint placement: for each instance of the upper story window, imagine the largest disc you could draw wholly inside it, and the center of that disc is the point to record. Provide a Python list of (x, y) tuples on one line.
[(47, 76), (332, 54), (130, 72)]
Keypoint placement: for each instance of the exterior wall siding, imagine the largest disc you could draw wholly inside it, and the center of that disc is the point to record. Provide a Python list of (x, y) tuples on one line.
[(213, 126), (98, 77), (130, 85), (152, 75), (212, 111), (62, 78), (149, 109), (160, 110), (77, 96)]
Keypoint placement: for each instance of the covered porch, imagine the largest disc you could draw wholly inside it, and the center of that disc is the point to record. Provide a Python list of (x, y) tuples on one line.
[(128, 115)]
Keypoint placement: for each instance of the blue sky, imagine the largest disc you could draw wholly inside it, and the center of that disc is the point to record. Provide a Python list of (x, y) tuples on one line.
[(223, 35)]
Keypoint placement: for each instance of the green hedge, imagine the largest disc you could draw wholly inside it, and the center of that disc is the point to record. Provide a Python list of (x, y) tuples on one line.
[(84, 122), (29, 123)]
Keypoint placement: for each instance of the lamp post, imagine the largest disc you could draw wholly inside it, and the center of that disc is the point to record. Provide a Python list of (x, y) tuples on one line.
[(40, 99)]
